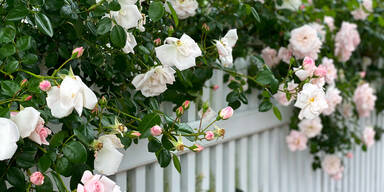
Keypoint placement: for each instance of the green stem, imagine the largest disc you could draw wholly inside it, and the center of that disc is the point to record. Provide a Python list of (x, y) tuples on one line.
[(66, 141), (62, 65), (95, 5), (37, 76), (209, 125), (7, 74), (126, 114)]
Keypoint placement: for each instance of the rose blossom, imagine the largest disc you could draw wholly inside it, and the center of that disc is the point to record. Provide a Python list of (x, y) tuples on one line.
[(128, 16), (339, 174), (333, 99), (296, 141), (346, 41), (154, 82), (270, 57), (183, 8), (331, 71), (130, 43), (96, 183), (321, 71), (330, 22), (309, 68), (9, 135), (285, 55), (305, 42), (37, 178), (71, 94), (209, 135), (311, 101), (78, 51), (31, 125), (281, 96), (224, 47), (369, 136), (226, 113), (311, 127), (331, 164), (319, 82), (292, 5), (108, 158), (320, 30), (363, 11), (364, 99), (156, 130), (178, 52), (45, 85)]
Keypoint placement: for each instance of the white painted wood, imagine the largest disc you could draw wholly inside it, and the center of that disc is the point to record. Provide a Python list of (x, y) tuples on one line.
[(243, 164), (265, 161), (254, 168), (217, 165), (204, 169), (157, 179), (188, 177), (140, 179), (174, 181), (122, 180), (229, 166)]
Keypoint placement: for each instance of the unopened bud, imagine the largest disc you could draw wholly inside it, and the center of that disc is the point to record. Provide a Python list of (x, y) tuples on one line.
[(197, 148), (77, 52), (209, 135), (135, 134), (45, 85), (23, 82), (156, 130), (157, 41), (205, 27), (179, 111), (29, 97), (226, 113), (103, 101), (186, 104)]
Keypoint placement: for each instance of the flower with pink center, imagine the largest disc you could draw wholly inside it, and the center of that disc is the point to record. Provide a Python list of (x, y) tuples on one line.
[(45, 85), (331, 71), (304, 42), (96, 183), (156, 130), (369, 136), (281, 96), (209, 135), (333, 99), (270, 57), (346, 41), (285, 55), (78, 52), (309, 68), (364, 99), (226, 113), (297, 141), (321, 71), (37, 178)]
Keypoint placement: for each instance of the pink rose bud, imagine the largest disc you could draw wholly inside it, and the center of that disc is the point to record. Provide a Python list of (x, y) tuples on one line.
[(78, 51), (302, 7), (135, 134), (215, 87), (321, 71), (156, 130), (28, 98), (157, 41), (198, 148), (362, 74), (349, 155), (209, 135), (309, 64), (205, 27), (180, 111), (37, 178), (226, 113), (23, 82), (45, 85), (186, 104)]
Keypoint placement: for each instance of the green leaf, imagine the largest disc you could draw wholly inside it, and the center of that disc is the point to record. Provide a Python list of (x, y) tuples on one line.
[(11, 65), (156, 10), (44, 163), (114, 5), (3, 186), (277, 113), (154, 144), (17, 13), (26, 159), (233, 96), (9, 88), (44, 24), (104, 26), (265, 106), (16, 177), (58, 138), (24, 43), (75, 152), (265, 77), (85, 133), (7, 34), (149, 121), (176, 163), (164, 157), (118, 36), (46, 186), (173, 13), (63, 166), (60, 185), (29, 59), (254, 13), (7, 50)]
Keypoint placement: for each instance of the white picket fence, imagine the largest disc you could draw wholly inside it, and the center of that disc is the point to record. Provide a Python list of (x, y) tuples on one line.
[(253, 157)]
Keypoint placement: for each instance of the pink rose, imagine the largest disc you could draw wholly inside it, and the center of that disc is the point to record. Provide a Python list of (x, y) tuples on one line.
[(346, 41), (309, 64), (369, 136), (78, 52), (186, 104), (284, 54), (96, 183), (364, 99), (349, 155), (156, 130), (198, 148), (37, 178), (209, 135), (270, 57), (226, 113), (45, 85), (297, 141), (135, 134), (41, 133), (321, 71)]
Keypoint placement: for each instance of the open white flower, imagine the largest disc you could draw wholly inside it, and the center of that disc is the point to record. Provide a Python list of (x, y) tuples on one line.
[(311, 127), (128, 16), (333, 99), (108, 158), (292, 5), (183, 8), (319, 29), (178, 52), (304, 42), (154, 82), (311, 101), (130, 43), (72, 94), (331, 164), (9, 135), (224, 47)]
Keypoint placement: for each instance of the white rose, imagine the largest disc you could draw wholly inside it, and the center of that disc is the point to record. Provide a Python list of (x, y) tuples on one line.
[(330, 22), (183, 8), (292, 5), (285, 54), (304, 42), (320, 30), (224, 47), (108, 158), (9, 135), (333, 99), (331, 164), (130, 43), (128, 16), (311, 127), (311, 101), (270, 57), (178, 52), (72, 94), (154, 82)]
